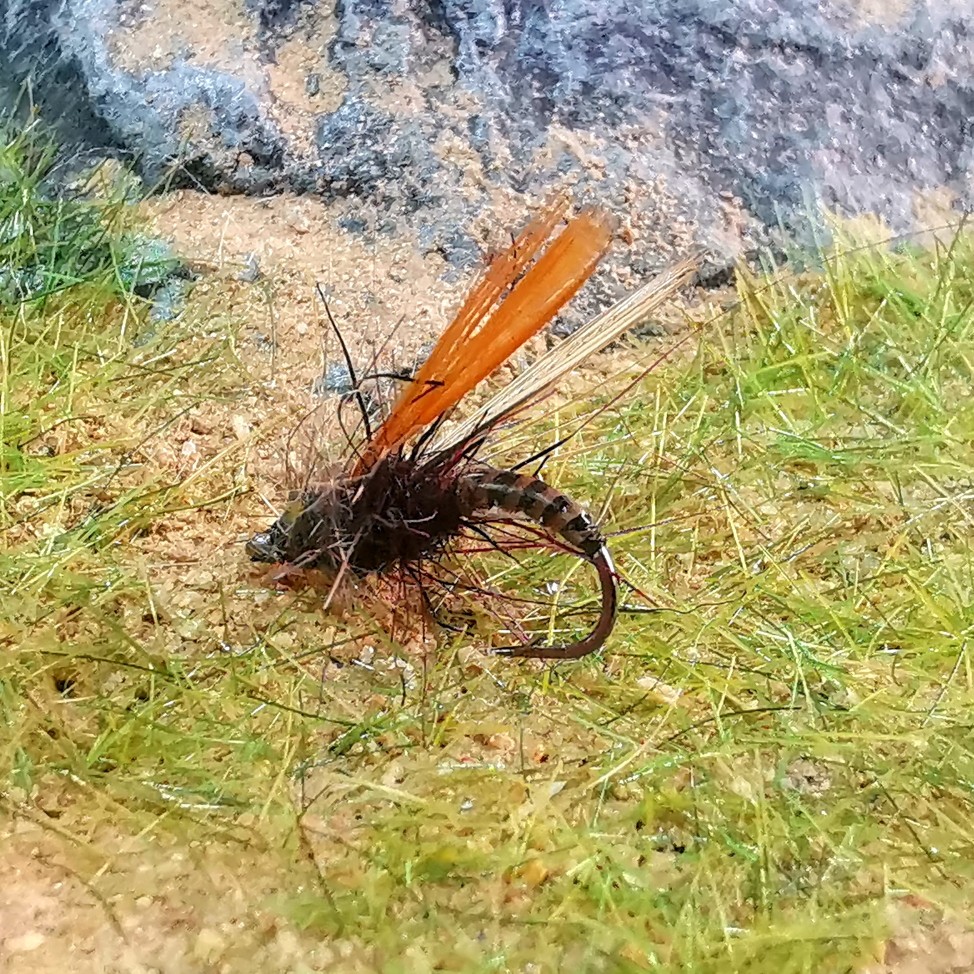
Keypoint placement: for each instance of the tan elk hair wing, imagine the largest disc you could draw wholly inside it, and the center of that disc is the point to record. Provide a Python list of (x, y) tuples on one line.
[(591, 338)]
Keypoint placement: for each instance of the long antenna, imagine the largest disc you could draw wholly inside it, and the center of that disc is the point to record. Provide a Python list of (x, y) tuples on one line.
[(357, 393)]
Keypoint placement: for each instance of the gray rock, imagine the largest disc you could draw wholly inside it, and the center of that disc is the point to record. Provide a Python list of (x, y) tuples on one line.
[(251, 269), (65, 48), (362, 152), (654, 109)]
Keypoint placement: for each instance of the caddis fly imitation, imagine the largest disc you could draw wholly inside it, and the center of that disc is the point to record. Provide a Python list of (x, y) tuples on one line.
[(412, 489)]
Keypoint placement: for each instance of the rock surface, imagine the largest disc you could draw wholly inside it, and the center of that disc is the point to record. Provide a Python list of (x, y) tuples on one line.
[(718, 123)]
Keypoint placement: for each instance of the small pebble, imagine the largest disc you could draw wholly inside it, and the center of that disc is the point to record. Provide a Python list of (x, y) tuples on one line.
[(209, 945), (25, 943), (251, 269), (241, 428)]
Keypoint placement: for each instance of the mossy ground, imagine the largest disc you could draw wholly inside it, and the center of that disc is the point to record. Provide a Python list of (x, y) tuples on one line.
[(750, 777)]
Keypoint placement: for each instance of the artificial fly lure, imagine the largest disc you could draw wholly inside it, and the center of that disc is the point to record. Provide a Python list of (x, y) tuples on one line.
[(412, 488)]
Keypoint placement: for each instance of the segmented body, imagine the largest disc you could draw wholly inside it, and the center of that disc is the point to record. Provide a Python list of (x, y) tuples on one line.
[(486, 488), (403, 511)]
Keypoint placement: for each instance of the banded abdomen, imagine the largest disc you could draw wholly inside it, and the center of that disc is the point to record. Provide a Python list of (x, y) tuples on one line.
[(483, 488)]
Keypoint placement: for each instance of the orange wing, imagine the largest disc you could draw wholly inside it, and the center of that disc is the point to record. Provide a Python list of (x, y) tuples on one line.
[(476, 342)]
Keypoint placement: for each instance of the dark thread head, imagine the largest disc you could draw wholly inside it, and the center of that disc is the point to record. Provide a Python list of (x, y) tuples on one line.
[(273, 545), (400, 512), (261, 547)]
